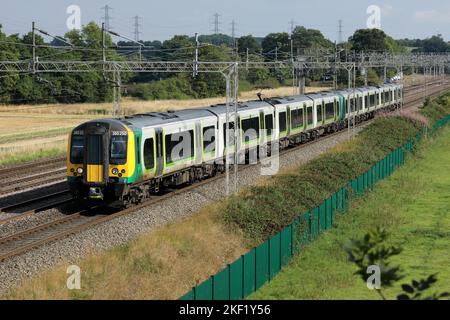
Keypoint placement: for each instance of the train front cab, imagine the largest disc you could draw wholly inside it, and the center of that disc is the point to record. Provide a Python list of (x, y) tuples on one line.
[(101, 160)]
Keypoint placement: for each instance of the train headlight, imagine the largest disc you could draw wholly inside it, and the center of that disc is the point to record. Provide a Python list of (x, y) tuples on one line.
[(115, 171), (80, 170)]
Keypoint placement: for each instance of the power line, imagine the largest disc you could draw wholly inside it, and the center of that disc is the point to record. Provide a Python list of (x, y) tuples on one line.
[(106, 17), (136, 27)]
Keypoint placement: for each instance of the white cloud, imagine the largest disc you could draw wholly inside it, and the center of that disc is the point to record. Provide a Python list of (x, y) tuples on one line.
[(432, 16)]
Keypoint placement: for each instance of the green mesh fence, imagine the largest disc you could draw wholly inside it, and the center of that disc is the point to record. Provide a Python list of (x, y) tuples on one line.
[(252, 270)]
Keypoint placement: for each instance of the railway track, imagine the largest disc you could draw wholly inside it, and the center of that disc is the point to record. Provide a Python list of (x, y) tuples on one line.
[(33, 237), (31, 166), (60, 228), (28, 176), (22, 209), (49, 171)]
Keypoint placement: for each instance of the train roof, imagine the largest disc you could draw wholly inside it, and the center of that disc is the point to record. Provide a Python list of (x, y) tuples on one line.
[(248, 105), (160, 118), (324, 94), (289, 99)]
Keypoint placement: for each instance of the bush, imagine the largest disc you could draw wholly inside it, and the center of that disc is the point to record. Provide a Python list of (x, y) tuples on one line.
[(265, 210), (171, 88), (436, 109)]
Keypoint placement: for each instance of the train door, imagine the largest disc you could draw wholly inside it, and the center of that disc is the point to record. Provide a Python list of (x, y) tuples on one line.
[(159, 152), (288, 120), (96, 154)]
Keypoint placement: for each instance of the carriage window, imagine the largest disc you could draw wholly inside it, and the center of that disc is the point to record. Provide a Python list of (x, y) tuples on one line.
[(149, 154), (230, 133), (250, 128), (282, 121), (346, 106), (118, 150), (309, 115), (297, 118), (179, 146), (329, 110), (319, 112), (360, 100), (77, 149), (268, 118), (209, 139), (372, 100)]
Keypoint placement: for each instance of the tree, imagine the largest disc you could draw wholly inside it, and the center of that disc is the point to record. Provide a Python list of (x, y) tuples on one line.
[(435, 44), (8, 51), (215, 39), (213, 82), (278, 40), (179, 48), (309, 38), (248, 42), (369, 40)]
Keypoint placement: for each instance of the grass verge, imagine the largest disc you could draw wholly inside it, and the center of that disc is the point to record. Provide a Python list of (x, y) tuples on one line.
[(413, 205), (159, 265)]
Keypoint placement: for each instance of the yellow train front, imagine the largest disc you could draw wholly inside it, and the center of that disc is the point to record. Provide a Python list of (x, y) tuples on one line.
[(101, 161)]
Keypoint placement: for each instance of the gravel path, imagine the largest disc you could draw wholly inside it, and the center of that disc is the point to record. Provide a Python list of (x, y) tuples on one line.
[(123, 229)]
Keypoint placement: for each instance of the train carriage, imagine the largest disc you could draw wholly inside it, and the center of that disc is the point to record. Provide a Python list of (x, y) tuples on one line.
[(295, 118), (327, 111), (128, 159)]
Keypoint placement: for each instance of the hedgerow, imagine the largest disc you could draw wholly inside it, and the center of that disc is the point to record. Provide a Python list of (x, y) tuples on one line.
[(264, 210)]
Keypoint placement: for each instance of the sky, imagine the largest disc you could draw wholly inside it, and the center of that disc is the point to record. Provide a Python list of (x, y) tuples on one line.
[(160, 20)]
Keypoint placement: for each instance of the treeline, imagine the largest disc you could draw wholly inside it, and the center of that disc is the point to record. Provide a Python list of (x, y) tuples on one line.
[(435, 44), (96, 87), (56, 87)]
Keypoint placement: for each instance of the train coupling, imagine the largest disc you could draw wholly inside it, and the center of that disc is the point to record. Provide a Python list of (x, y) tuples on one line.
[(95, 193)]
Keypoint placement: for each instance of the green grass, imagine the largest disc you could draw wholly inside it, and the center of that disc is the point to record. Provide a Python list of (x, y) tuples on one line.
[(37, 155), (413, 205)]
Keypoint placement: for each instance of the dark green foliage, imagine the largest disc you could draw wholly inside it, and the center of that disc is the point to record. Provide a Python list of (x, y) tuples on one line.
[(415, 290), (58, 87), (171, 88), (250, 43), (265, 210), (436, 109), (434, 44), (368, 40), (371, 250), (309, 38)]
